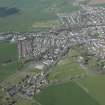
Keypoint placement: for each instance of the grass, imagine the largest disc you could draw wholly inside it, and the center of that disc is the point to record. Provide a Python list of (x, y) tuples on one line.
[(7, 70), (26, 102), (65, 94), (8, 51), (96, 87), (23, 101), (67, 67), (68, 8), (8, 59)]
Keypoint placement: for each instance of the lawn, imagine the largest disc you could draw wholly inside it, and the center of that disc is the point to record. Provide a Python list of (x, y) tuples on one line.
[(65, 94)]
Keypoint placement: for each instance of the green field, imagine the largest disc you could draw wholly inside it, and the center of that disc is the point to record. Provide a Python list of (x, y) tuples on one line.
[(32, 12), (8, 52), (65, 94), (7, 70), (8, 59), (96, 87)]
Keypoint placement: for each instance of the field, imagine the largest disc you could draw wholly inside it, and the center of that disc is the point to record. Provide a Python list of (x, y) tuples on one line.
[(8, 59), (21, 15), (96, 87), (8, 52), (26, 102), (65, 94), (7, 70)]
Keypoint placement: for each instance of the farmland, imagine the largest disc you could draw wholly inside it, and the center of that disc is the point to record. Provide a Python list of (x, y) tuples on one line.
[(8, 52), (68, 93), (7, 70), (95, 86), (8, 59), (28, 13)]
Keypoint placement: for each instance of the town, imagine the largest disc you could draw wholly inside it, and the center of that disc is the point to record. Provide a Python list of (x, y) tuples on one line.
[(85, 28)]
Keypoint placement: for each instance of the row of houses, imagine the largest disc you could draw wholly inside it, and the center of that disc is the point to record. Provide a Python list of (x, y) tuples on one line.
[(86, 17)]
